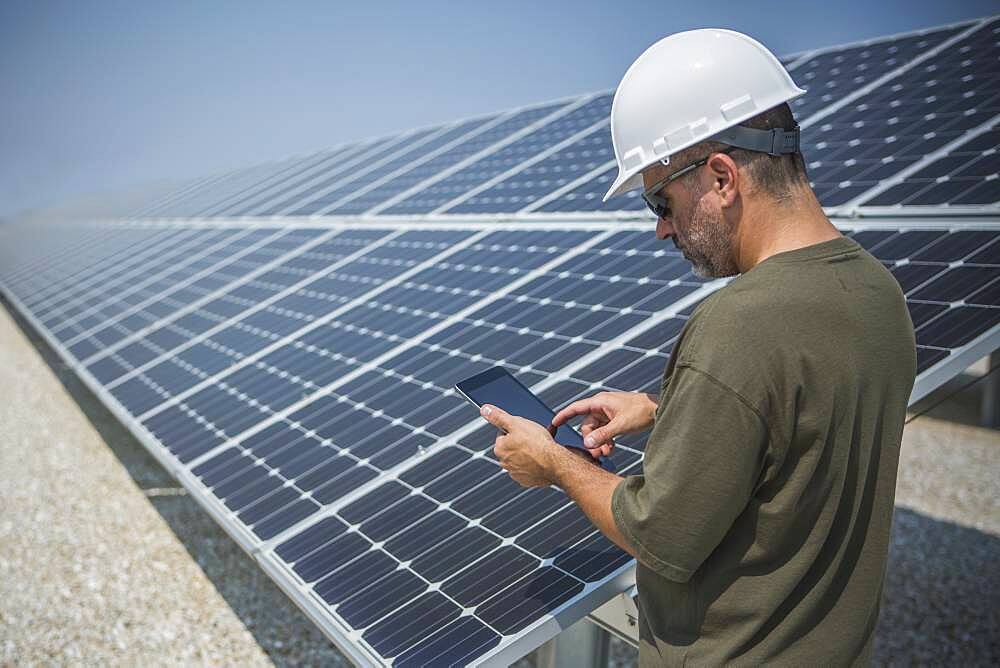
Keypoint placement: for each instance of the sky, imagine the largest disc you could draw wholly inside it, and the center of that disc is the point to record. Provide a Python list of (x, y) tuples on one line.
[(99, 97)]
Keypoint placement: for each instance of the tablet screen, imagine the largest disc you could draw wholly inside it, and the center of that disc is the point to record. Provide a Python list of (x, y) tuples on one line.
[(497, 387)]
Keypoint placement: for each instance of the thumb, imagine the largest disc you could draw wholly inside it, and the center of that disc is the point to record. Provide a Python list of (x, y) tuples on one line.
[(602, 435), (495, 416)]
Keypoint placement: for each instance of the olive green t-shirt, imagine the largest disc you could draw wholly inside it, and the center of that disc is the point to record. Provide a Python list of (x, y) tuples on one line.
[(762, 519)]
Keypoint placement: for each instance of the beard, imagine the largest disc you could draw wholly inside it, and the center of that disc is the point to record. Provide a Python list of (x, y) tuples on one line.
[(708, 242)]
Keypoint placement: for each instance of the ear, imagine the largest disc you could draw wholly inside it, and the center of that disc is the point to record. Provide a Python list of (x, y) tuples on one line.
[(726, 178)]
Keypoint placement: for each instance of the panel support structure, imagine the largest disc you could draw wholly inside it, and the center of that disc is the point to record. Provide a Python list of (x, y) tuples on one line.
[(989, 412), (583, 645), (619, 616)]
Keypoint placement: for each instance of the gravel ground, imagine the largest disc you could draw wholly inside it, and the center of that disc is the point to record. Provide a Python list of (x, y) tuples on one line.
[(103, 558), (105, 561)]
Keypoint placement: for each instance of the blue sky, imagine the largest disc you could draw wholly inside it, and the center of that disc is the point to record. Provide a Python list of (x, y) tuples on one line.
[(102, 96)]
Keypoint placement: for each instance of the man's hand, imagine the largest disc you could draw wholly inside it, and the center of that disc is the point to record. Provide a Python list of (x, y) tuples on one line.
[(534, 459), (527, 451), (609, 414)]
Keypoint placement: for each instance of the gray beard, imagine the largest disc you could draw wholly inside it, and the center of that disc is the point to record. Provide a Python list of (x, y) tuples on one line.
[(708, 244)]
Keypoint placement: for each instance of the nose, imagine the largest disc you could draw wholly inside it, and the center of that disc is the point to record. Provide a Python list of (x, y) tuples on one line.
[(664, 228)]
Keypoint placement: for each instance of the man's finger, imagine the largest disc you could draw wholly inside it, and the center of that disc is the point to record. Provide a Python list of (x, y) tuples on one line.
[(581, 407), (496, 417), (590, 423), (601, 436)]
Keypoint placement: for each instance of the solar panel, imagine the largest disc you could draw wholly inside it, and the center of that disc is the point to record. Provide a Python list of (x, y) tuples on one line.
[(172, 297), (901, 122), (277, 191), (587, 196), (319, 183), (965, 175), (445, 193), (413, 156), (235, 183), (830, 75), (257, 191), (872, 111), (495, 135), (295, 375), (318, 424), (534, 181)]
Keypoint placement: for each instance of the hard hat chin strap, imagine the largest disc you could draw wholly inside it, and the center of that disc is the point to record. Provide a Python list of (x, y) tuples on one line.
[(773, 142)]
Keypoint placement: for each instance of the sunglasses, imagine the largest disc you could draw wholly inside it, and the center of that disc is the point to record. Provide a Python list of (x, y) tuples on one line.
[(657, 203)]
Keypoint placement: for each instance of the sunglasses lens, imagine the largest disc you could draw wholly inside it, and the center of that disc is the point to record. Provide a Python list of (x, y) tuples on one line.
[(659, 208)]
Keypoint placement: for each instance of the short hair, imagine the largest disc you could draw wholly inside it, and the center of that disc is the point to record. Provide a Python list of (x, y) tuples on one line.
[(776, 175)]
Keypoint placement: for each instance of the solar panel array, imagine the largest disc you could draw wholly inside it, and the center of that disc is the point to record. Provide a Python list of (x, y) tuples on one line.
[(876, 113), (285, 338)]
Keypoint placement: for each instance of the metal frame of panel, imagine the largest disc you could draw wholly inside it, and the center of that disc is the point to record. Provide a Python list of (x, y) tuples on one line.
[(594, 594)]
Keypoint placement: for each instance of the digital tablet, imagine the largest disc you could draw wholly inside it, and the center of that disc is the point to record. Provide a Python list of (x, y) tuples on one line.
[(499, 388)]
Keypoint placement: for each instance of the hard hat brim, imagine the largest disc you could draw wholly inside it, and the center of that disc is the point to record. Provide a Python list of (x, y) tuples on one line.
[(623, 184)]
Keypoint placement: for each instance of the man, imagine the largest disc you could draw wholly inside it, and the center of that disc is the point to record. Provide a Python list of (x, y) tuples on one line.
[(761, 523)]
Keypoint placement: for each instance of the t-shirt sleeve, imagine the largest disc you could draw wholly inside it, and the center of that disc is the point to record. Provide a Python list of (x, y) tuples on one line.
[(702, 462)]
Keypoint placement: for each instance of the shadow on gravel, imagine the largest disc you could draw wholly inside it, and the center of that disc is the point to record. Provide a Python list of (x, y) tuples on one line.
[(941, 604), (280, 628)]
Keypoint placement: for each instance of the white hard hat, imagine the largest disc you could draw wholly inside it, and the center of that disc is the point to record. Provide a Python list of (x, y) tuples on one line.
[(692, 86)]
